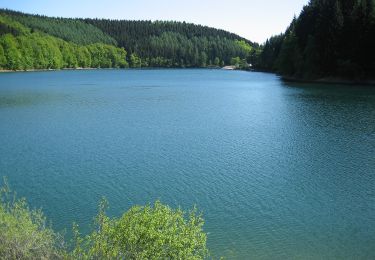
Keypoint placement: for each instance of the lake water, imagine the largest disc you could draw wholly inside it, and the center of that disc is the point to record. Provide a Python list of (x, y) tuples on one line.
[(280, 171)]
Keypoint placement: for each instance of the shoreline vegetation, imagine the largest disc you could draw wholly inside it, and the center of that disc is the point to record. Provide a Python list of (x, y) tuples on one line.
[(29, 42), (39, 70), (329, 80), (330, 41), (36, 70)]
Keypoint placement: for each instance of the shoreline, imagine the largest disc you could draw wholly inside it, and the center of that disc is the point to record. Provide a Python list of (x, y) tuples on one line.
[(79, 68), (36, 70), (330, 80)]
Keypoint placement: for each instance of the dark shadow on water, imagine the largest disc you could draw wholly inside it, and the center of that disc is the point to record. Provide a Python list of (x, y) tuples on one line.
[(28, 99), (321, 85), (331, 91)]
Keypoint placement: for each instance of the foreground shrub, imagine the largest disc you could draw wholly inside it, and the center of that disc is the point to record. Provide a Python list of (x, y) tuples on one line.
[(23, 232), (150, 232)]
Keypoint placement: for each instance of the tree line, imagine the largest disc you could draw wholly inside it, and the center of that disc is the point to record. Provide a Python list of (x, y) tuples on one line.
[(22, 49), (71, 30), (176, 44), (148, 44), (328, 39)]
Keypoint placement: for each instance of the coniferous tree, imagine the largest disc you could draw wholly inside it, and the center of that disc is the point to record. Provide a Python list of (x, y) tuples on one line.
[(162, 44), (328, 39)]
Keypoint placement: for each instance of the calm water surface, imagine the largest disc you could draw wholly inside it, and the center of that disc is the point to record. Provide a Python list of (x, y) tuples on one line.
[(280, 171)]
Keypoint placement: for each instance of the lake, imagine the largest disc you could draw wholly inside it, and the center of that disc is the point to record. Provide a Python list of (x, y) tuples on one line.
[(280, 170)]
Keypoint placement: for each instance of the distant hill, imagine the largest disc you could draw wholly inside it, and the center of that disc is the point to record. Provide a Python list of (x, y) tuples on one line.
[(329, 39), (24, 48), (148, 44), (72, 30), (174, 40)]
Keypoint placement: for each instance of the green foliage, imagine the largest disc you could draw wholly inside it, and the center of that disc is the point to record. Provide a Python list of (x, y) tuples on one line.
[(36, 51), (175, 44), (107, 56), (202, 59), (86, 43), (23, 232), (244, 45), (8, 25), (40, 51), (135, 61), (239, 63), (217, 61), (266, 59), (11, 51), (72, 30), (160, 62), (149, 232), (329, 38), (235, 61), (181, 51), (289, 59), (3, 59)]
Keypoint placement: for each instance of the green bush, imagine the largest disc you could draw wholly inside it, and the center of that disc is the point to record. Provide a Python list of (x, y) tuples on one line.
[(23, 231), (143, 232), (149, 232)]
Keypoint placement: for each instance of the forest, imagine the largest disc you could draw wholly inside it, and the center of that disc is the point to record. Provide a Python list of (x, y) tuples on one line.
[(329, 39), (22, 48), (176, 44), (40, 42)]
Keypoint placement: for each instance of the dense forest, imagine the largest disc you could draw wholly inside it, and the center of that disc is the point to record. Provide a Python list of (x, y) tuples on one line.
[(40, 42), (329, 39), (176, 43), (22, 48), (71, 30)]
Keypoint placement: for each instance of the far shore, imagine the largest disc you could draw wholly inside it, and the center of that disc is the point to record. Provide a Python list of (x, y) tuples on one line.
[(79, 68), (33, 70), (327, 80)]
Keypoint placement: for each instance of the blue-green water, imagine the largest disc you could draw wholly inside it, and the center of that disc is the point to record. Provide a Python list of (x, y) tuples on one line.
[(280, 171)]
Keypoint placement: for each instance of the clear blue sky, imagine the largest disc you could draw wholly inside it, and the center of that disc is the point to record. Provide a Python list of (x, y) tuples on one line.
[(255, 20)]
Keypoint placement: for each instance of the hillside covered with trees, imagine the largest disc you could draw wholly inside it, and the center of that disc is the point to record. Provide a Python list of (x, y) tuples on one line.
[(176, 44), (22, 48), (40, 42), (329, 39)]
